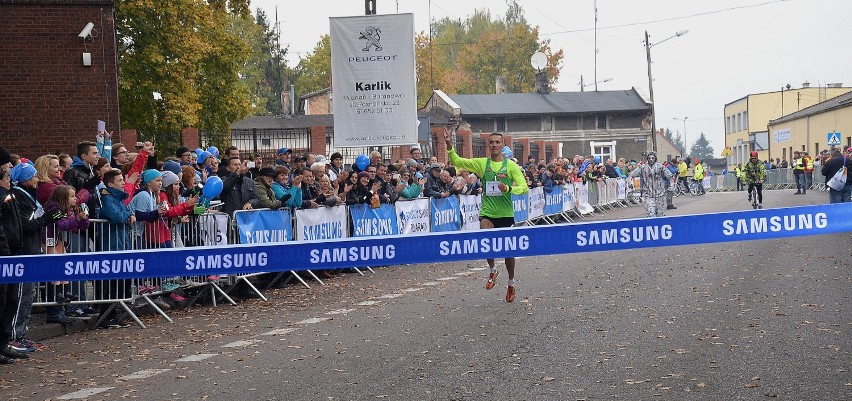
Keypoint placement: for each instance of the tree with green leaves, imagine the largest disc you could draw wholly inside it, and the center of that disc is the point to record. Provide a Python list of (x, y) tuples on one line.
[(702, 149), (677, 140), (314, 70), (193, 54)]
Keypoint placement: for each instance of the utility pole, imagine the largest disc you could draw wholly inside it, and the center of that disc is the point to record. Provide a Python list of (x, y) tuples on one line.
[(651, 92)]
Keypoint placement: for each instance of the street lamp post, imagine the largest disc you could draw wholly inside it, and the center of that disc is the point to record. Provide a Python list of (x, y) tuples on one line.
[(685, 144), (648, 46)]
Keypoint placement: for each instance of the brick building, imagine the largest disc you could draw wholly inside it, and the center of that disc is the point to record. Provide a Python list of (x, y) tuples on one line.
[(49, 100)]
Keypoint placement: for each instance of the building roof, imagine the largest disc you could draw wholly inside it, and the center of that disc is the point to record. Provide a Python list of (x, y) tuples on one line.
[(550, 103), (283, 122), (844, 100), (315, 93)]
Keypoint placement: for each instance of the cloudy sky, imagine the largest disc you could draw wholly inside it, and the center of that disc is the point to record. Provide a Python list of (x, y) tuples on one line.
[(733, 48)]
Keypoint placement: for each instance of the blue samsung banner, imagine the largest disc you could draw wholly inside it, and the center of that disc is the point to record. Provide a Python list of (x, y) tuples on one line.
[(264, 226), (445, 214), (521, 205), (553, 201), (369, 222), (434, 247)]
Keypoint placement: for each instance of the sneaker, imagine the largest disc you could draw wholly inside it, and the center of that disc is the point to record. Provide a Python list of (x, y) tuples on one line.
[(492, 279), (760, 206), (17, 346), (797, 193), (91, 311), (177, 298), (749, 198), (144, 289), (6, 361), (213, 278), (32, 343), (671, 207), (10, 352), (170, 287), (510, 293), (76, 313)]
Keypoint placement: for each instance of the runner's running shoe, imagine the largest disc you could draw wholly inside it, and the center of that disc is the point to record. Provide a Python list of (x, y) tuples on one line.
[(510, 293), (492, 279)]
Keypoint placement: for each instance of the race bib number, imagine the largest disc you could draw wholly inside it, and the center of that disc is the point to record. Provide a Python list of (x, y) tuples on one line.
[(492, 188)]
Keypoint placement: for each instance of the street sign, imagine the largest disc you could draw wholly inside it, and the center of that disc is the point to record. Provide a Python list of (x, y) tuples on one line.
[(833, 139), (727, 151)]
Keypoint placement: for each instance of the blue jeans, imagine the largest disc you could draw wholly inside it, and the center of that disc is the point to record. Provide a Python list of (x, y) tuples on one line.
[(800, 181), (809, 179), (840, 196)]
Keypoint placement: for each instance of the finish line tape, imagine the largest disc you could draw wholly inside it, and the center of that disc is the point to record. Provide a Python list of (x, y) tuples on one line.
[(434, 247)]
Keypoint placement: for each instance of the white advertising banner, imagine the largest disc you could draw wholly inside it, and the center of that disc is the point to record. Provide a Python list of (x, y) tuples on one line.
[(214, 229), (413, 216), (622, 189), (568, 199), (537, 202), (470, 206), (321, 223), (373, 80), (582, 191)]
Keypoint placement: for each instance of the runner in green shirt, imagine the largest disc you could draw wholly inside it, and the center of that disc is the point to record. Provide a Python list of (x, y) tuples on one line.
[(501, 178)]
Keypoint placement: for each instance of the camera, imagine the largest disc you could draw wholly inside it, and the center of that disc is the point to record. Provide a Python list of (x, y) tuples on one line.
[(138, 145), (250, 164)]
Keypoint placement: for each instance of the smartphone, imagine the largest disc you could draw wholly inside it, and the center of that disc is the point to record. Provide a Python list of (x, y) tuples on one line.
[(84, 208), (395, 177), (138, 145), (250, 164)]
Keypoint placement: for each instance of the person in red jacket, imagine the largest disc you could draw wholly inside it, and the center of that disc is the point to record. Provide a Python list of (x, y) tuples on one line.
[(176, 211)]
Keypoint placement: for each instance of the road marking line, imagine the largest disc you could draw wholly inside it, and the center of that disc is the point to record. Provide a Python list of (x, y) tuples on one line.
[(241, 343), (431, 283), (367, 303), (447, 278), (195, 358), (143, 374), (313, 320), (478, 268), (340, 311), (278, 332), (412, 289), (465, 273), (390, 296), (85, 393)]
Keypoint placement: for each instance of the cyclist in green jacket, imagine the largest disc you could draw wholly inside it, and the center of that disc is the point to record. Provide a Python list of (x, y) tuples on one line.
[(755, 174)]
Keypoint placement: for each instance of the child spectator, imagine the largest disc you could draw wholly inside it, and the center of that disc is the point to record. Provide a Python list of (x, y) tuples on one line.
[(64, 199), (145, 206)]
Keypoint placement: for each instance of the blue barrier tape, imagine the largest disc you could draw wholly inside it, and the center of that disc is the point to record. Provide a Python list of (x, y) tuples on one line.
[(434, 247)]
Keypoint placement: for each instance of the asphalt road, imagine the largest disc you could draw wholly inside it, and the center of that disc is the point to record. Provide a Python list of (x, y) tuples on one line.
[(757, 320)]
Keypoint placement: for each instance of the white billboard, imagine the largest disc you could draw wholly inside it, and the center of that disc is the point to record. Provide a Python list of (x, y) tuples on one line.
[(373, 80)]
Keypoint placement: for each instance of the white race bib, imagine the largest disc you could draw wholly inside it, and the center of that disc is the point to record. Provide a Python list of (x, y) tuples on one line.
[(492, 188)]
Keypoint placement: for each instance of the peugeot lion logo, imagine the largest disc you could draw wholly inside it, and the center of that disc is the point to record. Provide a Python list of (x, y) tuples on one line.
[(372, 35)]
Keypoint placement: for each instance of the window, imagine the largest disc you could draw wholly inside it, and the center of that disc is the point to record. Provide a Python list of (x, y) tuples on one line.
[(745, 120), (728, 124), (604, 150), (546, 123), (500, 124), (739, 122), (601, 121)]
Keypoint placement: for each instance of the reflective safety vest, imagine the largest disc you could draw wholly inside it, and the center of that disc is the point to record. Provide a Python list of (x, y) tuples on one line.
[(799, 165), (740, 173), (809, 164)]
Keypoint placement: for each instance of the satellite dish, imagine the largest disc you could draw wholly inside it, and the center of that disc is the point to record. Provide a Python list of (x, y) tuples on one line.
[(538, 61)]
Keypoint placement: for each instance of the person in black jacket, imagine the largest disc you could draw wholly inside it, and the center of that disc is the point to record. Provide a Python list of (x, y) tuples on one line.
[(238, 192), (81, 175), (363, 191), (8, 292), (23, 219), (831, 167)]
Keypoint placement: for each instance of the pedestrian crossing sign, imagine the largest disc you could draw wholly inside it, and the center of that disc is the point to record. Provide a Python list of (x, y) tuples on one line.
[(833, 139)]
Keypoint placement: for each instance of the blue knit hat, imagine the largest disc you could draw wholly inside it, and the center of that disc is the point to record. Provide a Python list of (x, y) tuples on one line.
[(172, 166), (22, 172), (150, 175)]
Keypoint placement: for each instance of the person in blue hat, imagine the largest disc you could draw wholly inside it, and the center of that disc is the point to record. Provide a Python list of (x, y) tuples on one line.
[(283, 159)]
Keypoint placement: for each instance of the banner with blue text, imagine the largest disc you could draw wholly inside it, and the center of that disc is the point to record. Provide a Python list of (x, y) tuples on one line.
[(605, 236), (264, 226)]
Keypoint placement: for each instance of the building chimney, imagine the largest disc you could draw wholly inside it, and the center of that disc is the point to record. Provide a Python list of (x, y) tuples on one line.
[(541, 83), (500, 85)]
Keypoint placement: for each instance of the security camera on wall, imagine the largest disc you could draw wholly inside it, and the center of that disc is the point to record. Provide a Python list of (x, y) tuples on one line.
[(87, 31)]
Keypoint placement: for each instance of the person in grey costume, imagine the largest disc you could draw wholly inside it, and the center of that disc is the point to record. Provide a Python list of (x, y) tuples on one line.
[(655, 181)]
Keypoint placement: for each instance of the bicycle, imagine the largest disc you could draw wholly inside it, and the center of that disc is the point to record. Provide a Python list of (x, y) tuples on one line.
[(695, 188), (752, 194)]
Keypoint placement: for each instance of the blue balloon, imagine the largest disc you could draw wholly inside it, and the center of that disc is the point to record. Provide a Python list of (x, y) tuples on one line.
[(597, 159), (213, 151), (213, 187), (507, 152), (203, 156), (362, 161)]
